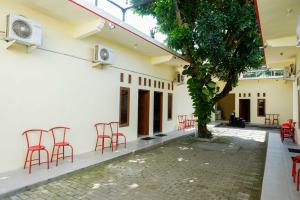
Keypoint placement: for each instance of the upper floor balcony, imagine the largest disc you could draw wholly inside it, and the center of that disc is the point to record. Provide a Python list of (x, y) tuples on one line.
[(263, 74)]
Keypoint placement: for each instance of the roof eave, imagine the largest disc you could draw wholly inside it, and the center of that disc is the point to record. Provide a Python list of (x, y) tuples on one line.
[(104, 15)]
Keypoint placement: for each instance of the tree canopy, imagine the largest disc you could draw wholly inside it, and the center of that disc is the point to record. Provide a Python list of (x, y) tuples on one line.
[(219, 38)]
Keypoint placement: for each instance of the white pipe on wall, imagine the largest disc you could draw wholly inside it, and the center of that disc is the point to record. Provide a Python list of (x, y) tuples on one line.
[(298, 32)]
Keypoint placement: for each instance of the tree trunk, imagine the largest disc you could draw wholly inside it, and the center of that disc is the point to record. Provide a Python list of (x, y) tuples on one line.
[(203, 132)]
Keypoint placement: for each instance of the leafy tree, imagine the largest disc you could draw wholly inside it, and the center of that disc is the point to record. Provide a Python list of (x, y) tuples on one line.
[(220, 40)]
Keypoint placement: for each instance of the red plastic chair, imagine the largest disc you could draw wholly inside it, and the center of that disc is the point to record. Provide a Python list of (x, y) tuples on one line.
[(296, 160), (101, 134), (114, 127), (192, 121), (288, 131), (31, 148), (60, 142), (182, 122)]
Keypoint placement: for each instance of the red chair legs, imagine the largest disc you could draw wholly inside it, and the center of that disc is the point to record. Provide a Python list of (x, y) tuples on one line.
[(182, 125), (30, 153), (294, 167), (295, 174), (103, 144), (110, 145), (298, 179), (117, 140), (281, 135), (293, 138), (26, 159), (57, 154)]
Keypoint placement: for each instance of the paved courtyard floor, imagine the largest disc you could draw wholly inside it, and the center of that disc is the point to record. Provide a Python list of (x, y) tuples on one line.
[(229, 167)]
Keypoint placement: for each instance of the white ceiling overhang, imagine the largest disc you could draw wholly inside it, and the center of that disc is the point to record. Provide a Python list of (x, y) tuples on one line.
[(278, 20), (89, 29), (89, 20), (168, 60), (282, 42)]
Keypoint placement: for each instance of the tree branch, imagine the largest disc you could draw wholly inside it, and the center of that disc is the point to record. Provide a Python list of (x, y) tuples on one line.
[(186, 51), (227, 88), (178, 13)]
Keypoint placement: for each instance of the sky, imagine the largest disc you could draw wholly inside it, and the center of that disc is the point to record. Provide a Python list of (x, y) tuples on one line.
[(143, 24)]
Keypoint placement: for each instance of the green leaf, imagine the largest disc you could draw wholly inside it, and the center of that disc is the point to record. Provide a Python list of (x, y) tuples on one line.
[(205, 91), (211, 85)]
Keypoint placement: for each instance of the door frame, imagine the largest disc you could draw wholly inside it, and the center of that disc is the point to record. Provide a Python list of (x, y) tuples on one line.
[(148, 116)]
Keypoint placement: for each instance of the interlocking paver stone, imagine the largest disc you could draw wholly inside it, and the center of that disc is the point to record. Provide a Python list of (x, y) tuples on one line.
[(228, 167)]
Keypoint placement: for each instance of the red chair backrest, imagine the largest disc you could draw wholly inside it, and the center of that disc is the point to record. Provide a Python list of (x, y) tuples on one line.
[(290, 129), (55, 131), (181, 118), (114, 127), (36, 134), (101, 128)]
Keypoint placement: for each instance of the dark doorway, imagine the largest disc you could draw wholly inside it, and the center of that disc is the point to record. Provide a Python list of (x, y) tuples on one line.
[(157, 112), (226, 105), (143, 112), (245, 109)]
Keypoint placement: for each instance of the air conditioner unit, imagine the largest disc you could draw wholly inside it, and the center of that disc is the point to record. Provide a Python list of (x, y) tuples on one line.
[(23, 30), (103, 55), (287, 72), (179, 78)]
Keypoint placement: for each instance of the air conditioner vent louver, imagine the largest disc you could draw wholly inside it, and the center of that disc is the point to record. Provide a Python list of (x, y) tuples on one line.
[(104, 54), (22, 29)]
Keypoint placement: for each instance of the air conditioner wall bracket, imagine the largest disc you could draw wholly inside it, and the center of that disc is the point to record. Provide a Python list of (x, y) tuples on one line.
[(98, 65), (8, 44), (31, 48)]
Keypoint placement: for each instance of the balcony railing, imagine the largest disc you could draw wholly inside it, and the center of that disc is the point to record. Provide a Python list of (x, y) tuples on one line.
[(263, 74)]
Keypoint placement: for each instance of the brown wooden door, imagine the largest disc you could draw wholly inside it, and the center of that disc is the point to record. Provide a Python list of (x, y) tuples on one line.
[(245, 109), (158, 112), (143, 112)]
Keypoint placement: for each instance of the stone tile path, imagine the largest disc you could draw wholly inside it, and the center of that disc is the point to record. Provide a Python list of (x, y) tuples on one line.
[(278, 183), (229, 167)]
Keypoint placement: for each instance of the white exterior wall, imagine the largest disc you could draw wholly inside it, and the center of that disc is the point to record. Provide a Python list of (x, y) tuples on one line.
[(279, 97), (42, 89), (183, 101), (296, 88)]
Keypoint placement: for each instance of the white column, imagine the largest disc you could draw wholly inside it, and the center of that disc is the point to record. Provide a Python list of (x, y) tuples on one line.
[(296, 100)]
